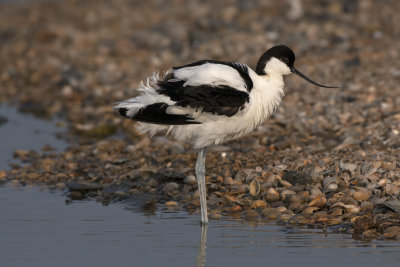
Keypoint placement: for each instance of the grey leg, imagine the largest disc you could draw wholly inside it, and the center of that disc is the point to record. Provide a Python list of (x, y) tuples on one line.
[(201, 182)]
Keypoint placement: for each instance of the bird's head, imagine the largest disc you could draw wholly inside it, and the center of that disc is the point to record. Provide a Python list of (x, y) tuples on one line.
[(280, 60)]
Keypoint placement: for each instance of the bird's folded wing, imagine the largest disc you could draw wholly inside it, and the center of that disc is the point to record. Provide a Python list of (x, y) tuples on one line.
[(212, 72), (217, 100)]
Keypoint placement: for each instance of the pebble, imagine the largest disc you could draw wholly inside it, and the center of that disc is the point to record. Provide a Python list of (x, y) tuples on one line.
[(362, 194), (270, 213), (370, 234), (171, 204), (190, 179), (392, 232), (286, 192), (251, 215), (272, 195), (348, 167), (235, 208), (319, 201), (258, 204), (76, 195), (309, 210), (215, 216), (228, 180), (254, 187), (361, 223), (366, 206), (83, 187), (170, 188)]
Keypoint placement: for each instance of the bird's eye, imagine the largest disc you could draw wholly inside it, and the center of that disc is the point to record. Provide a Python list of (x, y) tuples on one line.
[(285, 59)]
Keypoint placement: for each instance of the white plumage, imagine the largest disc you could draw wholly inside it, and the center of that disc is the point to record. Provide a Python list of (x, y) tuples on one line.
[(265, 97), (211, 102)]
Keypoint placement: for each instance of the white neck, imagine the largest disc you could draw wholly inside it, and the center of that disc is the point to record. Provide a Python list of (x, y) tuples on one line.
[(275, 66)]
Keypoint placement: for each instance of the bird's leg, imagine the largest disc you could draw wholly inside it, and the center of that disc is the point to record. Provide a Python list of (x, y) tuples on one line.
[(201, 182)]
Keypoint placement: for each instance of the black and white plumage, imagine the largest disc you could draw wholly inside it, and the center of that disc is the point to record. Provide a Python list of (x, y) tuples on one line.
[(210, 102)]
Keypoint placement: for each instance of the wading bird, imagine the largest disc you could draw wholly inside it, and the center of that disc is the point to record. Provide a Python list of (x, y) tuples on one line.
[(210, 102)]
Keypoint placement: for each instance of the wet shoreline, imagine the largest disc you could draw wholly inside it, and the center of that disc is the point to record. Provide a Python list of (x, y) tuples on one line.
[(325, 158)]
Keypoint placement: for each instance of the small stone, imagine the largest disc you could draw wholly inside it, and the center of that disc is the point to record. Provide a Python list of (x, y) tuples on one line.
[(284, 217), (76, 195), (320, 217), (170, 187), (281, 209), (362, 194), (336, 211), (333, 221), (286, 192), (120, 194), (251, 215), (171, 204), (271, 195), (319, 201), (366, 206), (239, 189), (235, 208), (190, 179), (370, 234), (133, 191), (47, 164), (361, 223), (389, 165), (258, 204), (196, 196), (391, 232), (309, 210), (270, 213), (32, 175), (60, 185), (83, 186), (242, 175), (392, 189), (228, 180), (254, 188), (21, 154), (215, 216), (285, 183), (331, 188), (230, 198), (348, 167), (352, 208)]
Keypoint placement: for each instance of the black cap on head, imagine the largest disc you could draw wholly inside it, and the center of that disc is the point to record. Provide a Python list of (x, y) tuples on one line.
[(286, 55), (281, 52)]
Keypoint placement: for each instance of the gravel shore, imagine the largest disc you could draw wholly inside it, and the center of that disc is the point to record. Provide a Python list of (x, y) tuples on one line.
[(326, 158)]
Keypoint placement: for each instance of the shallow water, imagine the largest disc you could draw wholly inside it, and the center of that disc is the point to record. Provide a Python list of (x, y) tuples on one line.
[(24, 131), (39, 229), (43, 229)]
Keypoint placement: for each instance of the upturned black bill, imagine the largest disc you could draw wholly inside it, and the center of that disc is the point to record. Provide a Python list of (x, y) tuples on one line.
[(295, 71)]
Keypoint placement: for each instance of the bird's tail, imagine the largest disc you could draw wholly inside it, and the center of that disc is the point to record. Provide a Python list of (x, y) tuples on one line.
[(128, 108)]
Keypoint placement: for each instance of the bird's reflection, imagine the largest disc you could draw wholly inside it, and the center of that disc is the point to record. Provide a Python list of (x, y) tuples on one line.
[(201, 258)]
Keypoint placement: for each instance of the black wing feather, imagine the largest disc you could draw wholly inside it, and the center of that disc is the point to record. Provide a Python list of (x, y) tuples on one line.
[(156, 113), (218, 100)]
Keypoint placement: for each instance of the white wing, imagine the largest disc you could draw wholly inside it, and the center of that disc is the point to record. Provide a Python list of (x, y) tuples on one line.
[(211, 74)]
